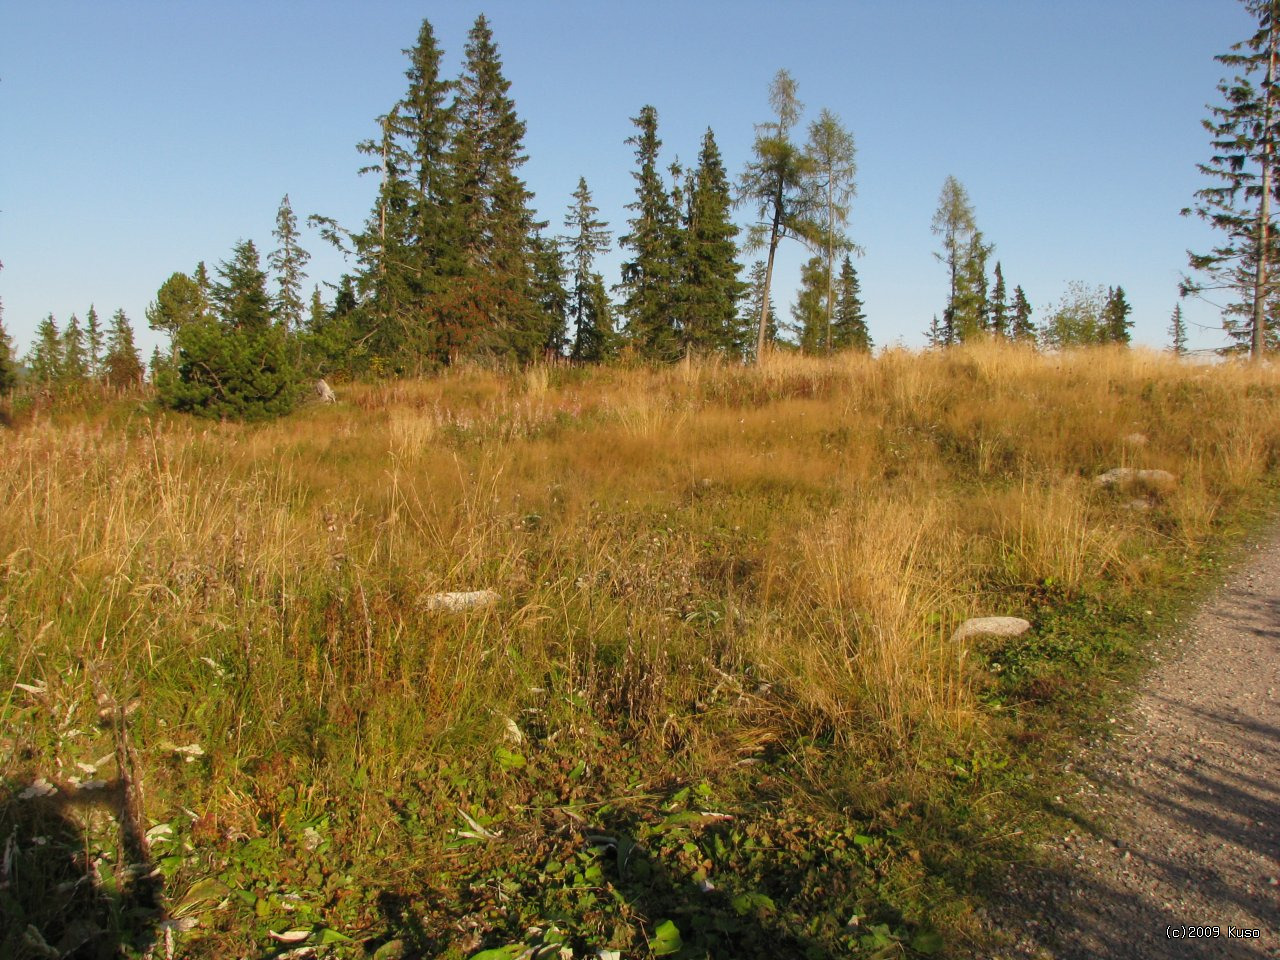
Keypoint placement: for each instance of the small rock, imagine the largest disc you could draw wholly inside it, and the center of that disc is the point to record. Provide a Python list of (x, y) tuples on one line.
[(1160, 479), (461, 600), (991, 627)]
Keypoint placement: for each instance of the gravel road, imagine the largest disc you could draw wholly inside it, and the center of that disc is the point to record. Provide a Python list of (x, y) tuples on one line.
[(1181, 809)]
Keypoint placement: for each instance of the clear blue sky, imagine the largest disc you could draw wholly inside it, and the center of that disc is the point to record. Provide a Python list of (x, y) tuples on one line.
[(141, 137)]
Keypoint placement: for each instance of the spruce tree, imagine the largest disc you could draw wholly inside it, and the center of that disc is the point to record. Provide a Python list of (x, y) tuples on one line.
[(1115, 323), (954, 223), (408, 248), (1245, 136), (236, 364), (754, 305), (999, 317), (648, 285), (423, 126), (93, 342), (547, 287), (241, 295), (936, 335), (204, 288), (8, 360), (809, 312), (45, 358), (288, 262), (778, 182), (122, 367), (75, 359), (385, 253), (493, 215), (849, 328), (971, 307), (587, 237), (1177, 332), (1021, 326), (711, 288)]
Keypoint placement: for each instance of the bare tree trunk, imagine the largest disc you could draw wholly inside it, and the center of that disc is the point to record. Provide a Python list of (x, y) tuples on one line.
[(768, 276), (764, 300), (831, 253)]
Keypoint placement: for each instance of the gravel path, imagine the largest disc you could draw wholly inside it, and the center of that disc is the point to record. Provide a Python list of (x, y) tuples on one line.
[(1182, 827)]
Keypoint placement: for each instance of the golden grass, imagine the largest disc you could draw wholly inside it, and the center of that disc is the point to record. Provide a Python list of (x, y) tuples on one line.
[(813, 528)]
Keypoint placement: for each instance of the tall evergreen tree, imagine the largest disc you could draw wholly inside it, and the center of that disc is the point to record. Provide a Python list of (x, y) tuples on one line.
[(547, 286), (954, 223), (809, 312), (971, 307), (122, 367), (753, 306), (711, 288), (75, 359), (849, 328), (647, 277), (1115, 323), (1177, 332), (999, 321), (423, 124), (409, 244), (288, 262), (587, 237), (241, 295), (204, 288), (8, 360), (495, 222), (93, 342), (1021, 326), (778, 182), (45, 358), (832, 153), (1245, 136), (936, 335)]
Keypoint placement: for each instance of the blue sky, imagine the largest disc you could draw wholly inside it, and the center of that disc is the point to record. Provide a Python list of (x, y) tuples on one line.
[(142, 137)]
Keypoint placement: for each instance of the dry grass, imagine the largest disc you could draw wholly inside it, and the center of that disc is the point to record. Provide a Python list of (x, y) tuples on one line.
[(803, 535)]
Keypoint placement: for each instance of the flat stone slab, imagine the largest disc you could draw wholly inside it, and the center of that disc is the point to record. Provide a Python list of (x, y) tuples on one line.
[(992, 627), (461, 600)]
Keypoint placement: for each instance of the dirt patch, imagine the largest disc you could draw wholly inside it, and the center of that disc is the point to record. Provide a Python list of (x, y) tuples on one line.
[(1175, 850)]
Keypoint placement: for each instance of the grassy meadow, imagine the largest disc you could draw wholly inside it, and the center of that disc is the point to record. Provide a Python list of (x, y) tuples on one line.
[(716, 710)]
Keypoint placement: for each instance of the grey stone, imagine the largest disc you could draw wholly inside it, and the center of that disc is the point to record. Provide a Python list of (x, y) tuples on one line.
[(992, 627)]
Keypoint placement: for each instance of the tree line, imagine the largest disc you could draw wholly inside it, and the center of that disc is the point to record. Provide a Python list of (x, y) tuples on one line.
[(452, 264)]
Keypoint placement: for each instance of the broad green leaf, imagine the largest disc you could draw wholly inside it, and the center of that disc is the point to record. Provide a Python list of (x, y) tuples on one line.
[(508, 759), (666, 939)]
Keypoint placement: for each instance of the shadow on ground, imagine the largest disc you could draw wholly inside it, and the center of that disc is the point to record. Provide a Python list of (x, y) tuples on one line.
[(58, 896)]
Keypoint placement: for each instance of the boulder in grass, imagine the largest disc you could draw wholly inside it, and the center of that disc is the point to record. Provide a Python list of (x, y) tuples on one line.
[(992, 627), (324, 392), (1153, 479), (461, 600)]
